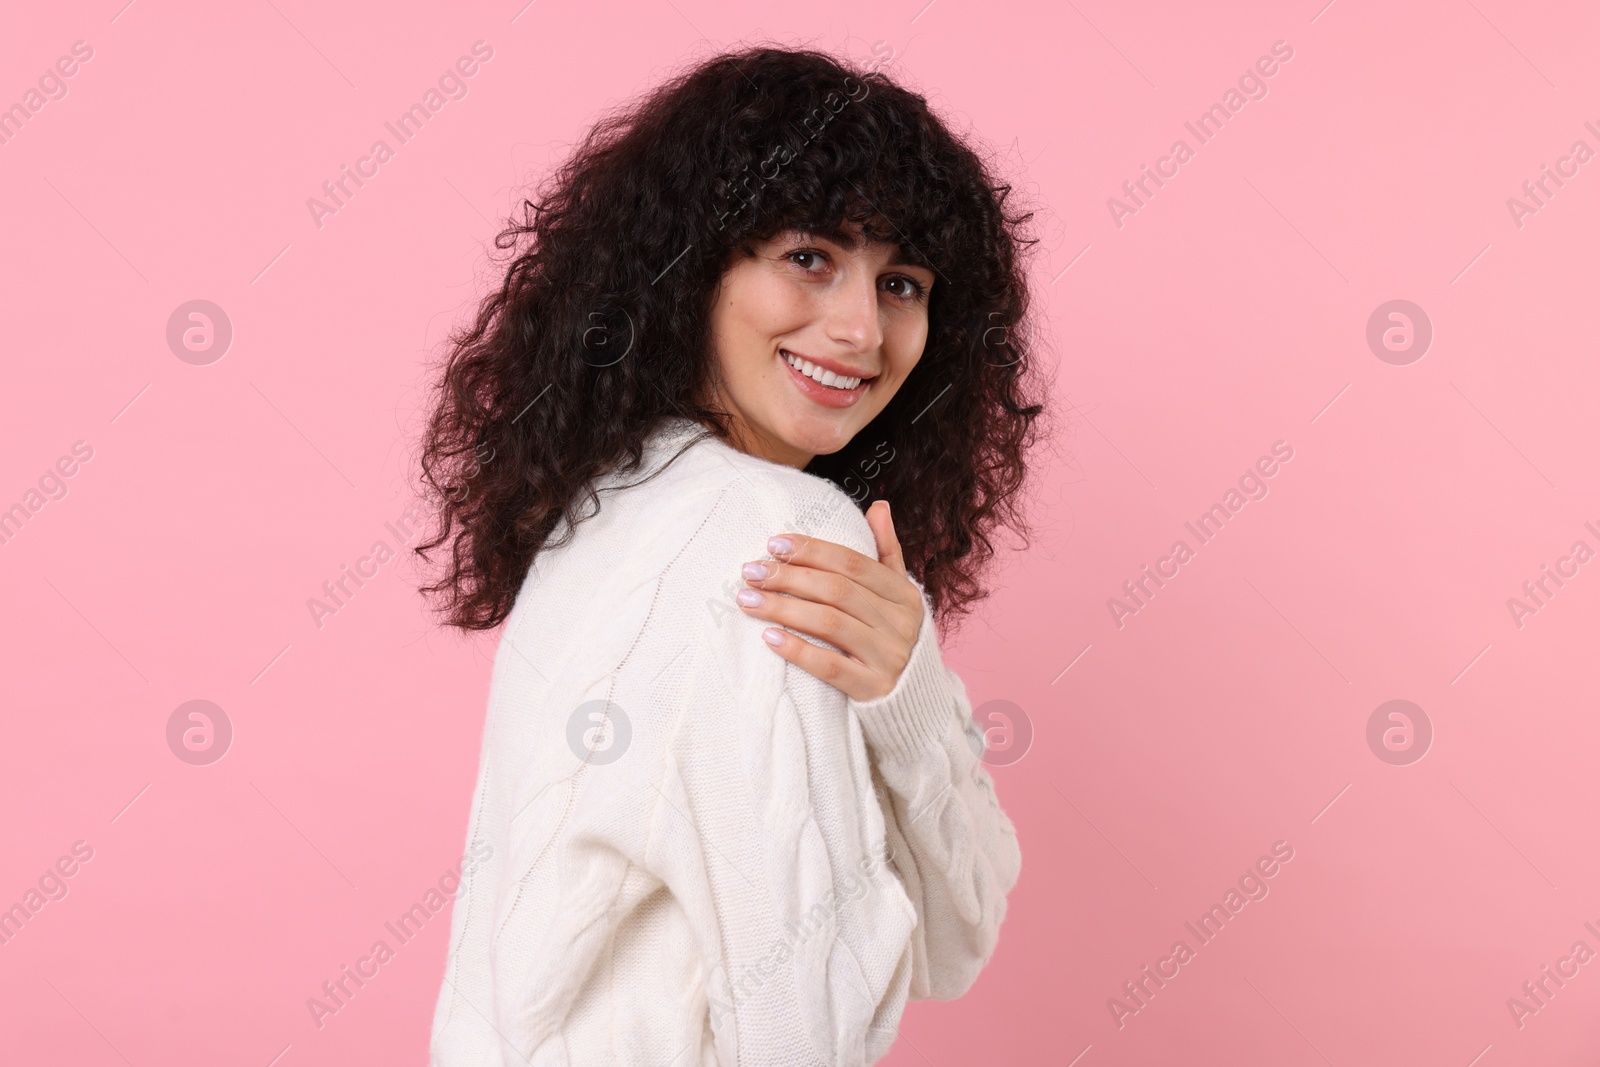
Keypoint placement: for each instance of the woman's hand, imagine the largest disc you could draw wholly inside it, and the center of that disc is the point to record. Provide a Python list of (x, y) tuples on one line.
[(867, 608)]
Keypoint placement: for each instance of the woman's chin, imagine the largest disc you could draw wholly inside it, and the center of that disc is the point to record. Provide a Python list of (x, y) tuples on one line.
[(821, 435)]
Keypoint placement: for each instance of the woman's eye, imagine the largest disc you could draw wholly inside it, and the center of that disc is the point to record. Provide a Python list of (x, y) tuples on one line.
[(797, 256), (912, 288)]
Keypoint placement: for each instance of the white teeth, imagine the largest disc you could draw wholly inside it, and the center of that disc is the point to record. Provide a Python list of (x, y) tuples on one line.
[(824, 377)]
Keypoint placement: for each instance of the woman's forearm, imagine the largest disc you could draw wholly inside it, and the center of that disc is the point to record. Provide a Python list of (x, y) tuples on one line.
[(952, 844)]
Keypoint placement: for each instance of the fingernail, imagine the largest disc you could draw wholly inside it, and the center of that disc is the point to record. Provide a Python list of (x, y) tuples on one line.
[(780, 546), (771, 636), (748, 597), (757, 571)]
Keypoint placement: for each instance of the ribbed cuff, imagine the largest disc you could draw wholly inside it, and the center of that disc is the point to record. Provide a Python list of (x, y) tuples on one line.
[(919, 713)]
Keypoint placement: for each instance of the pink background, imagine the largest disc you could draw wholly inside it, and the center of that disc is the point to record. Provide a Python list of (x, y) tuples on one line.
[(1227, 314)]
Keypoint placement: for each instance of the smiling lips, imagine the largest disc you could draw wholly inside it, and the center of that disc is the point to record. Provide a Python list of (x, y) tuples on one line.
[(825, 385), (834, 376)]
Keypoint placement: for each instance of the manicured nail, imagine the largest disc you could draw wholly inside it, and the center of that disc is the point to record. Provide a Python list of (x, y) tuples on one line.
[(757, 571), (772, 636), (780, 546), (750, 598)]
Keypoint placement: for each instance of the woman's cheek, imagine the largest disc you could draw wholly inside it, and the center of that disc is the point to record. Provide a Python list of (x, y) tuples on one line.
[(909, 336)]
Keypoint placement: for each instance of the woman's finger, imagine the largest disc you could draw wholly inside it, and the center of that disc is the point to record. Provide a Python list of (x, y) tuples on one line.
[(827, 587), (841, 672), (831, 556), (882, 524), (823, 621)]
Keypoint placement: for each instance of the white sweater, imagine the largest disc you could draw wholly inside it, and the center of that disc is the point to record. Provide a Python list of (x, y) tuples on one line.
[(749, 867)]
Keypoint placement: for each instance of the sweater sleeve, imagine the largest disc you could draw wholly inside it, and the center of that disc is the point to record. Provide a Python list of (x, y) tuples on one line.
[(954, 848), (806, 933), (744, 804)]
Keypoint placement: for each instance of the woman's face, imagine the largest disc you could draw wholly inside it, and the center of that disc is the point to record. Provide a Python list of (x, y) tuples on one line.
[(849, 312)]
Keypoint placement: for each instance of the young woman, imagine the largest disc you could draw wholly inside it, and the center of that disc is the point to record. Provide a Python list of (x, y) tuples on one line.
[(731, 800)]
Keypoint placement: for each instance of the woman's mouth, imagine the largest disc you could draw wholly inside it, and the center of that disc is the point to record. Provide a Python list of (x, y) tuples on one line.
[(824, 386)]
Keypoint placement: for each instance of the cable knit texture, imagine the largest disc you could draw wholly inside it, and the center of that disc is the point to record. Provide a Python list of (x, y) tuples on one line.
[(698, 853)]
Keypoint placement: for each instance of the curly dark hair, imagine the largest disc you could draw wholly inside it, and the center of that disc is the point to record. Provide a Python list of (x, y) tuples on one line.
[(602, 326)]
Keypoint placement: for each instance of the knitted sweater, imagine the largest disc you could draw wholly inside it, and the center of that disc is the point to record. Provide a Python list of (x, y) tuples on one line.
[(700, 855)]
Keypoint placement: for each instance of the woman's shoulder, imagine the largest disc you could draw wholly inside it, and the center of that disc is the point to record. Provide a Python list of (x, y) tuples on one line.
[(772, 496), (692, 486)]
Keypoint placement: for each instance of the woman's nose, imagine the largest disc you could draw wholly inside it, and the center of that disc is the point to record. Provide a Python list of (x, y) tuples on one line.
[(853, 316)]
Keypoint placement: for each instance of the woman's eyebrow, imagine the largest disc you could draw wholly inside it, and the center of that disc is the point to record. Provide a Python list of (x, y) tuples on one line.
[(900, 259), (854, 242), (835, 236)]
